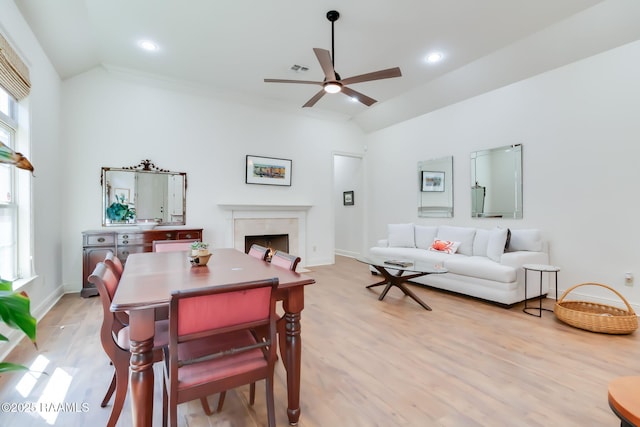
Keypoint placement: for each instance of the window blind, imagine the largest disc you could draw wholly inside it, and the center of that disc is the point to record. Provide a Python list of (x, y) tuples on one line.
[(14, 74)]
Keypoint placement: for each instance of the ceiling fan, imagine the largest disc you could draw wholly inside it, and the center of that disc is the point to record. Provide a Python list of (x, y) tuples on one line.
[(332, 82)]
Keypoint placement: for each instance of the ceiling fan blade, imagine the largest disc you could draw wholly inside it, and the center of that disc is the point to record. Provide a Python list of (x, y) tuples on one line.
[(316, 98), (358, 96), (306, 82), (324, 58), (376, 75)]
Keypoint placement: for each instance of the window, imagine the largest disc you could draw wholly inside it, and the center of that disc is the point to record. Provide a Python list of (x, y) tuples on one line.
[(15, 199), (8, 206)]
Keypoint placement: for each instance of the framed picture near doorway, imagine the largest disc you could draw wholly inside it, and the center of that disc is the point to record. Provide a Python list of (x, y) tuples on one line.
[(347, 198)]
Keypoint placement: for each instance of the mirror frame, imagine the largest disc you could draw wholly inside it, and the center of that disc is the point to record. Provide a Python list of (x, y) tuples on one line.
[(437, 201), (146, 167), (511, 188)]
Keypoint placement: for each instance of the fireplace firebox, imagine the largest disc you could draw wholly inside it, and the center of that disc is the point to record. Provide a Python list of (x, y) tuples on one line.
[(274, 242)]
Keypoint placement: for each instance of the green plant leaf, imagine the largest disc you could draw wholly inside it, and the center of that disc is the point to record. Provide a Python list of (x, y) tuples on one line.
[(7, 367), (15, 312)]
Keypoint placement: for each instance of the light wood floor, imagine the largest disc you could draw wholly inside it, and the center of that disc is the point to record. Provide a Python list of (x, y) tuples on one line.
[(365, 363)]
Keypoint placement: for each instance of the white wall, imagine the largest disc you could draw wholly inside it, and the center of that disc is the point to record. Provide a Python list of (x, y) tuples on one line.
[(47, 157), (580, 133), (112, 120)]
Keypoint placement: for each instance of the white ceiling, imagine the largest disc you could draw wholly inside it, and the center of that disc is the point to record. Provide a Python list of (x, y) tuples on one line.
[(227, 47)]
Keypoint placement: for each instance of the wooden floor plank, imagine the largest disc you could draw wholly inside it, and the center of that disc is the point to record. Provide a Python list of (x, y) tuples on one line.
[(365, 363)]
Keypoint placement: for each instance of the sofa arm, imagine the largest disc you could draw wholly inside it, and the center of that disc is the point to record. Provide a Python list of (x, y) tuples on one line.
[(519, 258), (383, 243)]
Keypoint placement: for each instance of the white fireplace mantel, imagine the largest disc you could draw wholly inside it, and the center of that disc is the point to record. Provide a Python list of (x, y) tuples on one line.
[(268, 216), (254, 207)]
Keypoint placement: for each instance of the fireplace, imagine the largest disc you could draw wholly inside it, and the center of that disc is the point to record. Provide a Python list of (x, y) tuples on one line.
[(267, 220), (274, 242)]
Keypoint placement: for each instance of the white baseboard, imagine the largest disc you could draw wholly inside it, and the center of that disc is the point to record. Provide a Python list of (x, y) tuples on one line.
[(349, 254)]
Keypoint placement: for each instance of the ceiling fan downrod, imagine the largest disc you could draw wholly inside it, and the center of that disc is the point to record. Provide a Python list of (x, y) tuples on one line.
[(333, 16)]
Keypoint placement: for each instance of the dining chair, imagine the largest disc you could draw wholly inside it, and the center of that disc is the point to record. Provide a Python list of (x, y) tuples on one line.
[(290, 262), (114, 336), (258, 251), (212, 344), (285, 260), (172, 245), (114, 263)]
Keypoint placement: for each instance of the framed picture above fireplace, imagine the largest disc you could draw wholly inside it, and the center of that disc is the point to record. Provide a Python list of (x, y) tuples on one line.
[(268, 171)]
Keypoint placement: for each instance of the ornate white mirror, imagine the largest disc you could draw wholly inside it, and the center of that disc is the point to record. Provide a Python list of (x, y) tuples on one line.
[(143, 194), (435, 188), (496, 182)]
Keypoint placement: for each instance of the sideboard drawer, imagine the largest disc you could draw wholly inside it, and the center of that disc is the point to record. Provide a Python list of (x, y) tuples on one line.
[(99, 239), (130, 239), (189, 234), (160, 235)]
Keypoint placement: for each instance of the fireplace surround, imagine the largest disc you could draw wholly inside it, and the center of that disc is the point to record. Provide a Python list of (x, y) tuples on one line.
[(257, 220)]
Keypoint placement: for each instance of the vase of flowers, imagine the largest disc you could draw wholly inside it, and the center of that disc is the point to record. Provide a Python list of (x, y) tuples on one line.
[(120, 211)]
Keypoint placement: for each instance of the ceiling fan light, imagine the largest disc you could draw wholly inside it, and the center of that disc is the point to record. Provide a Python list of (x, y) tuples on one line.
[(332, 87), (434, 57), (148, 45)]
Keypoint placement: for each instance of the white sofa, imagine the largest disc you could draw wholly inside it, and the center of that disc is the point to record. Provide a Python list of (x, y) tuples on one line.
[(487, 264)]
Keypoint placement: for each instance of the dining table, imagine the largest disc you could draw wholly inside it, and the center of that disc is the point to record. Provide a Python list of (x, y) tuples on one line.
[(146, 284)]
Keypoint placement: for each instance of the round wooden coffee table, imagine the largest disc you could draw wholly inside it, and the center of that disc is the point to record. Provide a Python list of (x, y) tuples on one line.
[(623, 400)]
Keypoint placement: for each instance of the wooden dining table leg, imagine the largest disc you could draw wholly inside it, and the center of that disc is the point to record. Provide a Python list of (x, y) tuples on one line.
[(141, 323), (293, 303)]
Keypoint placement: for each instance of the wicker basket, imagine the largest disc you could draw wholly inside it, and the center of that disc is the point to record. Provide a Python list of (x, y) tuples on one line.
[(596, 317)]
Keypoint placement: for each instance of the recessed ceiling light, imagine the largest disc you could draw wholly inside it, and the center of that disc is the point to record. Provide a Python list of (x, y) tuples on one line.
[(434, 57), (148, 45)]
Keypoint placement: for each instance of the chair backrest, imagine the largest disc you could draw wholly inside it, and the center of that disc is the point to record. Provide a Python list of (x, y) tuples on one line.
[(106, 283), (285, 260), (206, 312), (114, 264), (172, 245), (258, 251)]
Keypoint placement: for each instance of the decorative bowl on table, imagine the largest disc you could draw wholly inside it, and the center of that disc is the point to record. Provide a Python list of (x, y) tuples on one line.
[(199, 260), (146, 224)]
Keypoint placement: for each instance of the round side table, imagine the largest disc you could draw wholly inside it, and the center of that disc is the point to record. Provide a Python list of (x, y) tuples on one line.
[(623, 400), (542, 268)]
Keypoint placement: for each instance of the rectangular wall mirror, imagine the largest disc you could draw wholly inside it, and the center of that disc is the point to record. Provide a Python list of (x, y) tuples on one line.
[(496, 182), (143, 193), (435, 188)]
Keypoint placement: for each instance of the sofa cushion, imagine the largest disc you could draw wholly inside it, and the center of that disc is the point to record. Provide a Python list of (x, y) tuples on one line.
[(496, 243), (481, 267), (425, 236), (464, 235), (480, 242), (401, 236), (525, 240), (445, 246)]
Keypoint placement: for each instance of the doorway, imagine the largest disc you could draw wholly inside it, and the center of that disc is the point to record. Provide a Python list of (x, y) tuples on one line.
[(349, 204)]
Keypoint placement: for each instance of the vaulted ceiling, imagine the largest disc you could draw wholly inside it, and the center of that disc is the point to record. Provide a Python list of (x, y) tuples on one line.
[(228, 47)]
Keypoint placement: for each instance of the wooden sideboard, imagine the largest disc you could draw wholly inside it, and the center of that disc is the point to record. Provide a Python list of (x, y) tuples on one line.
[(97, 243)]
